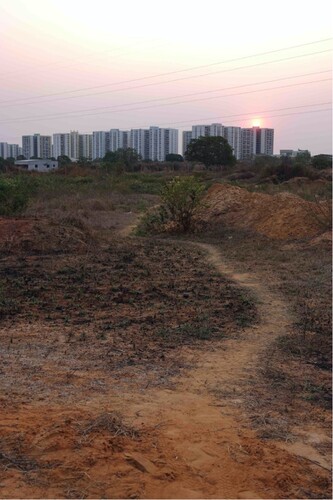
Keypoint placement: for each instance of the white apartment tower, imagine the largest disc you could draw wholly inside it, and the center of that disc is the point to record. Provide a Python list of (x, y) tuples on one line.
[(85, 146), (200, 131), (66, 144), (162, 141), (216, 130), (213, 130), (118, 139), (257, 141), (74, 145), (114, 139), (60, 145), (234, 137), (124, 139), (170, 139), (45, 146), (187, 137), (100, 144), (28, 146), (4, 150), (37, 145), (139, 140), (266, 141), (9, 150), (14, 150)]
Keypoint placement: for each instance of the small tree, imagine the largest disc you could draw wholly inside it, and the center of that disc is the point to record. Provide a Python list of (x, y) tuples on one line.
[(127, 156), (322, 161), (64, 160), (181, 199), (210, 151)]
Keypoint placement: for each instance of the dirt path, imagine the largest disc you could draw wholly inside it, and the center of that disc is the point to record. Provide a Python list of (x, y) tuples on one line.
[(206, 442), (195, 438)]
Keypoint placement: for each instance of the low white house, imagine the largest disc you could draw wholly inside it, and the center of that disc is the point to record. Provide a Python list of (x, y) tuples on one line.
[(37, 165)]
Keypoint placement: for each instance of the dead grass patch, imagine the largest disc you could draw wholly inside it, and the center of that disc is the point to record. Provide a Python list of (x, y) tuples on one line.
[(112, 423)]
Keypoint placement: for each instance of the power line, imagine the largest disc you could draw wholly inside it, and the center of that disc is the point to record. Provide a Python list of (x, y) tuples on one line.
[(253, 113), (179, 71), (256, 113), (61, 64), (80, 114), (187, 95)]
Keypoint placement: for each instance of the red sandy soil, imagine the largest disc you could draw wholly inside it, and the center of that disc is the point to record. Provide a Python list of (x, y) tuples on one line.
[(107, 392), (280, 216)]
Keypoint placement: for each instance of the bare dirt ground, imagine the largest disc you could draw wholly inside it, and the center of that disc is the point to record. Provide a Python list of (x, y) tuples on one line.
[(128, 370)]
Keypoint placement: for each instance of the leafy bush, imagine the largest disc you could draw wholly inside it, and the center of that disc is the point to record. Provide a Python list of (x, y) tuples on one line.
[(181, 199), (322, 161), (14, 195), (288, 169)]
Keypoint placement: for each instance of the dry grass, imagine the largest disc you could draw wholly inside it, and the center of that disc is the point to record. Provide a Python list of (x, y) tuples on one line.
[(112, 423)]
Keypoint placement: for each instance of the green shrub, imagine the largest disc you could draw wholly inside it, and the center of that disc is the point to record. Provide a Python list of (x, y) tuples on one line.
[(14, 194), (181, 199), (322, 161)]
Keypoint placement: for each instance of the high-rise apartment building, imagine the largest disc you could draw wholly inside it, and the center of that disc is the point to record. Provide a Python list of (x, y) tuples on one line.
[(266, 141), (9, 150), (200, 131), (114, 139), (213, 130), (85, 146), (14, 151), (124, 139), (162, 141), (4, 150), (216, 130), (74, 145), (257, 141), (234, 137), (169, 142), (39, 146), (28, 149), (100, 144), (45, 146), (187, 137), (60, 145), (66, 144), (139, 140)]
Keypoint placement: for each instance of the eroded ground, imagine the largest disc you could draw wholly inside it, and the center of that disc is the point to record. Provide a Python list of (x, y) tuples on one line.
[(128, 370)]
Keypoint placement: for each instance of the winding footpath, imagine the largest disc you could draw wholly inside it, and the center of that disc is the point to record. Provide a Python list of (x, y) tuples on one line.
[(207, 445)]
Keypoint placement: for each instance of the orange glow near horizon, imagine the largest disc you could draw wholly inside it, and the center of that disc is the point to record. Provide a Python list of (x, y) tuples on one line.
[(256, 122)]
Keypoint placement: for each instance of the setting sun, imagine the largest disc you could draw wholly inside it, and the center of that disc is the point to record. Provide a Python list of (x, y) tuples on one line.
[(256, 122)]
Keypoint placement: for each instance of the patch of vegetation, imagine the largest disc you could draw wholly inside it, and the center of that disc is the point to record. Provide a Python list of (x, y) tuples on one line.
[(190, 330), (15, 193)]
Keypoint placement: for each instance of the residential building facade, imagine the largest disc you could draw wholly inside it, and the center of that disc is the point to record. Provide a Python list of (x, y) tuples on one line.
[(85, 146), (187, 137), (234, 137), (39, 146), (4, 150), (66, 144), (162, 141), (139, 140)]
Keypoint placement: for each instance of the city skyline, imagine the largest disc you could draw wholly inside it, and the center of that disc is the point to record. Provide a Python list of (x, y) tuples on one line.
[(153, 143), (67, 66)]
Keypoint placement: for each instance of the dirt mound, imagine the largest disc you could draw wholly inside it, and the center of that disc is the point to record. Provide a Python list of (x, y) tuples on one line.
[(37, 236), (279, 216)]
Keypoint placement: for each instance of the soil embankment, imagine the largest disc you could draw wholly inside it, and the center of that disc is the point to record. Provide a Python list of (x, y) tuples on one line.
[(279, 216)]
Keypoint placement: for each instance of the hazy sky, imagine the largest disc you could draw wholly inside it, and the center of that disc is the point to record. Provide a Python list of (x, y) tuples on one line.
[(75, 65)]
